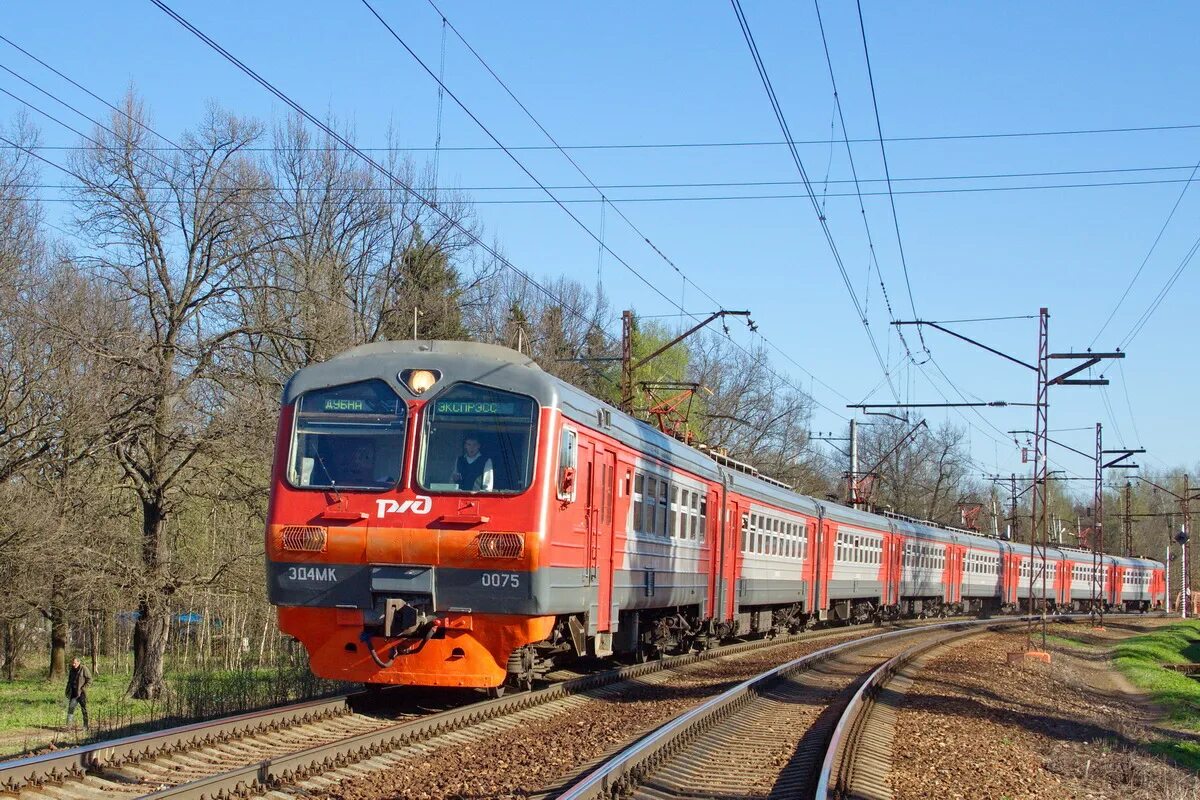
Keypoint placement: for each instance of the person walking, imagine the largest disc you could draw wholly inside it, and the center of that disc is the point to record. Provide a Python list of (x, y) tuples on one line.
[(77, 682)]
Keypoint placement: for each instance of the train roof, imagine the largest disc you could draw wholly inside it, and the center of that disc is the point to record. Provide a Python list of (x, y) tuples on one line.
[(504, 368)]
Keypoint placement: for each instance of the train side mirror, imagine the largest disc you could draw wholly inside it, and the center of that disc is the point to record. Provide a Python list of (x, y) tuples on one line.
[(568, 458), (566, 484)]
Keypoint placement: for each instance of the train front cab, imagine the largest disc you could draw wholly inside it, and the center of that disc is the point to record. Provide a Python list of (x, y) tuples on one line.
[(389, 570)]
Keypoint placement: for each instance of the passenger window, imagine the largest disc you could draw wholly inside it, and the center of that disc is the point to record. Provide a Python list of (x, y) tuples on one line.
[(650, 501), (639, 485), (663, 509)]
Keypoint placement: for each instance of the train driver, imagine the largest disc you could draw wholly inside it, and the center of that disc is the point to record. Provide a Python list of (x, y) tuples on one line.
[(358, 468), (473, 470)]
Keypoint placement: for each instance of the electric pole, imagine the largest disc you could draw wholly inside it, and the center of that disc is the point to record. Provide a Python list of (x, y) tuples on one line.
[(1098, 531), (854, 463), (1188, 552), (1128, 521), (628, 366), (1183, 538), (1013, 505)]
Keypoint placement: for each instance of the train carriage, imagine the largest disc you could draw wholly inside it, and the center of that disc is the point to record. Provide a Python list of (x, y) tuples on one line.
[(446, 513)]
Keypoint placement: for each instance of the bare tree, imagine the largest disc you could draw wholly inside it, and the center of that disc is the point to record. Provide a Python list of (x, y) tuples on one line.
[(752, 412), (923, 473), (27, 419), (171, 233)]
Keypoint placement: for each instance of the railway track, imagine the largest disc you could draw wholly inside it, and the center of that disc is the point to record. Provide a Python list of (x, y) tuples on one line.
[(136, 765), (257, 751), (858, 758), (325, 745), (770, 736)]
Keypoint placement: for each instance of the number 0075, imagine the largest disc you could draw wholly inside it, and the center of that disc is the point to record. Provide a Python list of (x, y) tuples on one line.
[(501, 580)]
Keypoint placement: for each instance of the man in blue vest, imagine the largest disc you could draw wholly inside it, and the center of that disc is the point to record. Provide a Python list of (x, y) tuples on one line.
[(473, 470)]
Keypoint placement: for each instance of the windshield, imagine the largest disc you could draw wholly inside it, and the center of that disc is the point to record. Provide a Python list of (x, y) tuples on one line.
[(478, 440), (348, 437)]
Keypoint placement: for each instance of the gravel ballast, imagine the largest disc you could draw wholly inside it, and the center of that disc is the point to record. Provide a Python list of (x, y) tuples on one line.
[(530, 753), (974, 726)]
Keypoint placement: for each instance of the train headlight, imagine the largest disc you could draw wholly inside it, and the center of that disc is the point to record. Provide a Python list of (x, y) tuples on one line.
[(420, 381)]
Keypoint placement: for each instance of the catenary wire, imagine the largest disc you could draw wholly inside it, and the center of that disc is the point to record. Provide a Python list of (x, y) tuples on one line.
[(1154, 245), (873, 259), (118, 109), (1163, 293), (295, 285), (771, 143), (334, 135), (779, 115), (600, 242), (713, 184), (888, 176), (764, 76), (592, 184)]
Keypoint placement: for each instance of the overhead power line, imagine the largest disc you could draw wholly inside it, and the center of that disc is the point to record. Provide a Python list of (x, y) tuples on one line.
[(727, 184), (764, 143), (1153, 246), (168, 223), (374, 164), (770, 197), (764, 76), (604, 247), (888, 176), (873, 256), (1163, 293)]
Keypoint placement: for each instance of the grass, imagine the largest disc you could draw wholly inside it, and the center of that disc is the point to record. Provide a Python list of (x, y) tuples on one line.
[(1141, 658), (33, 710), (1067, 641), (1186, 754)]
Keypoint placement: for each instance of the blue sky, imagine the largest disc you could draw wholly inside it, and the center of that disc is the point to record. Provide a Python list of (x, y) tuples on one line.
[(643, 73)]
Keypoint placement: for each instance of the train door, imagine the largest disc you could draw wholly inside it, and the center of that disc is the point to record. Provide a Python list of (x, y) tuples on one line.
[(891, 568), (826, 540), (727, 562), (712, 542), (952, 573), (587, 486), (897, 568), (601, 491)]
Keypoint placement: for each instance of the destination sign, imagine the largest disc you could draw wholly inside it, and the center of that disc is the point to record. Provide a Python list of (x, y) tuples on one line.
[(343, 404), (476, 408)]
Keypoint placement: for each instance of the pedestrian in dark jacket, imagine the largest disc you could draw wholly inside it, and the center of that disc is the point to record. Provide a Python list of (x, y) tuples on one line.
[(77, 682)]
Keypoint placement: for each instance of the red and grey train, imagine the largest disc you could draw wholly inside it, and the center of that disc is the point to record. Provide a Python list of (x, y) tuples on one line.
[(448, 514)]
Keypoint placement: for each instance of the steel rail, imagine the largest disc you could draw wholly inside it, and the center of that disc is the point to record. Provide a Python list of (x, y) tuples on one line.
[(842, 751), (75, 762), (620, 773), (301, 764), (842, 747)]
